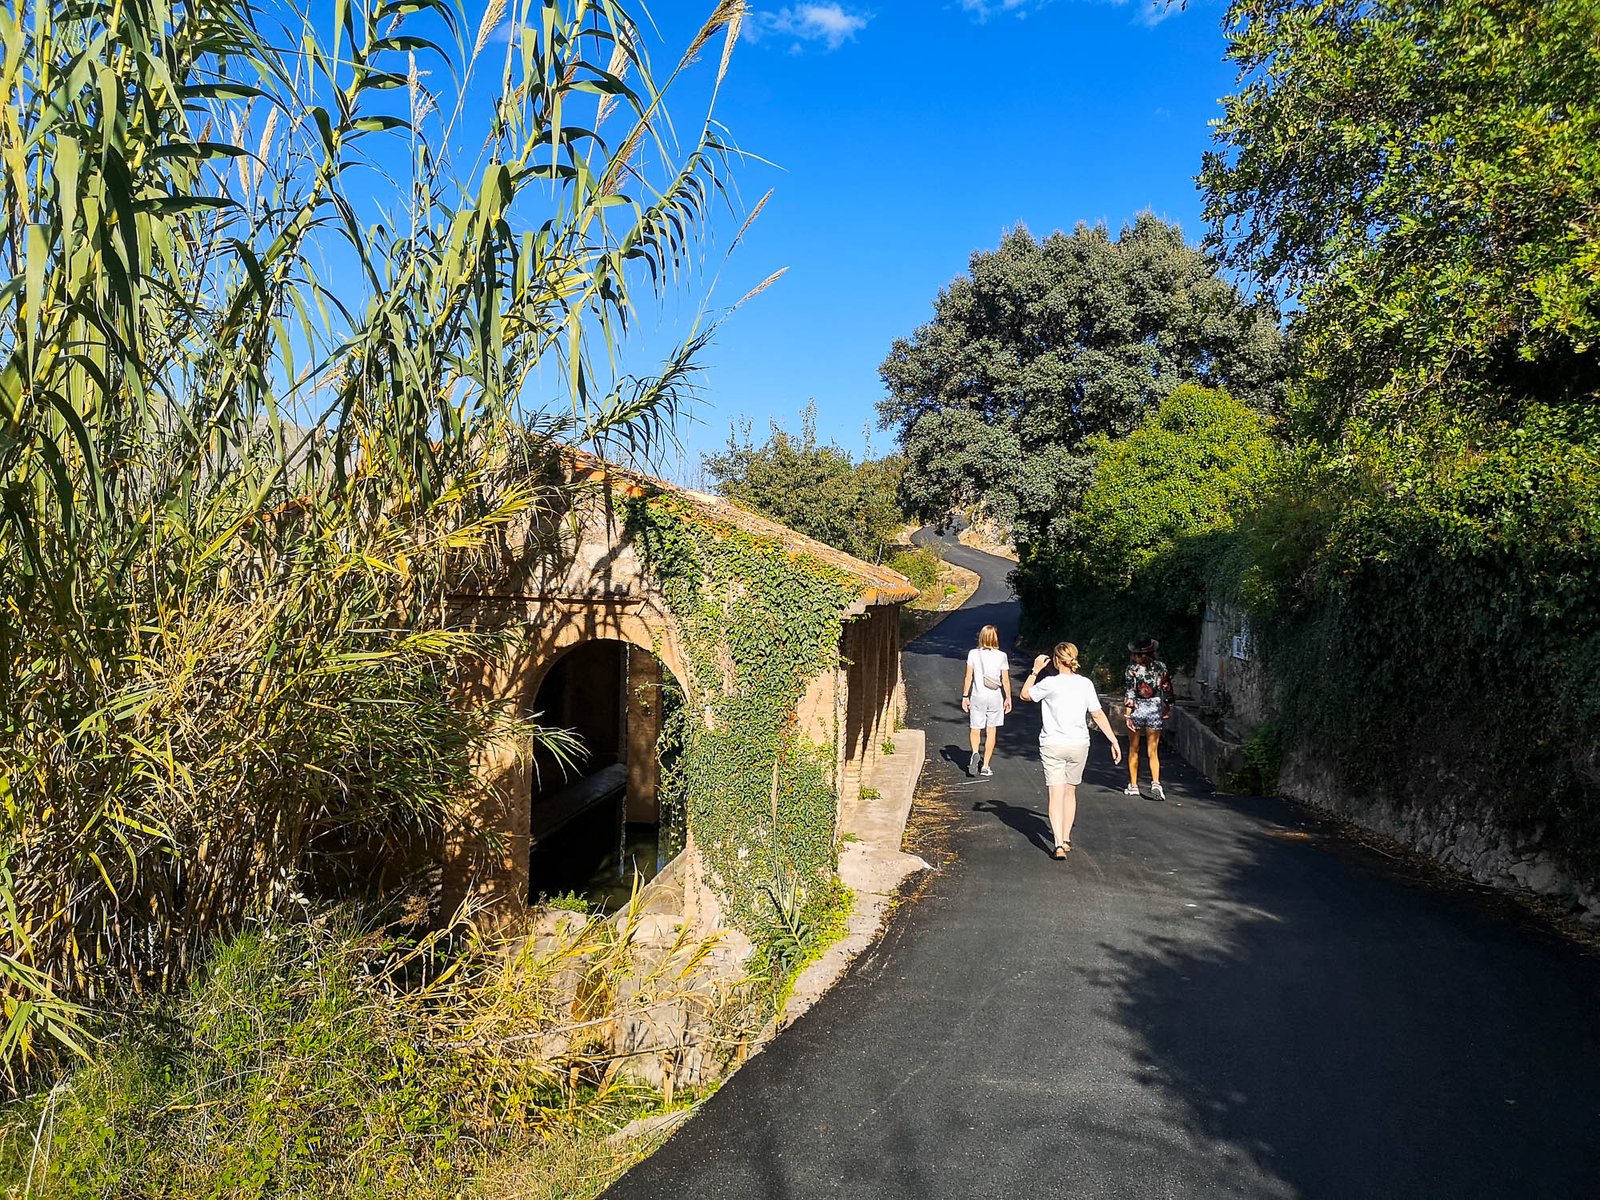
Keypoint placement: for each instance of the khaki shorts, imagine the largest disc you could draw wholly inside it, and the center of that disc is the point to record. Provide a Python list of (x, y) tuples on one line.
[(1064, 762)]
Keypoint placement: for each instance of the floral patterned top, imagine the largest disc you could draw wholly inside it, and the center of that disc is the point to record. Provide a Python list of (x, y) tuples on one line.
[(1147, 688)]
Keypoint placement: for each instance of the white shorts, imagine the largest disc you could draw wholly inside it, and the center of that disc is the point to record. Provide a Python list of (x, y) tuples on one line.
[(986, 718), (1064, 762)]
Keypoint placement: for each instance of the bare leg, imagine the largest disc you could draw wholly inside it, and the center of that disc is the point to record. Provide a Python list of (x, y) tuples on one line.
[(988, 749), (1133, 758), (974, 735), (1153, 741), (1063, 811)]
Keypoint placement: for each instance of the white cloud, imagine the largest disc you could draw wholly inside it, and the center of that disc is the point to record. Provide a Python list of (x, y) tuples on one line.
[(984, 9), (1148, 13), (830, 23), (1153, 12)]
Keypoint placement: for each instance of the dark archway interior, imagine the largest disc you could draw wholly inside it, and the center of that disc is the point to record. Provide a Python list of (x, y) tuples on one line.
[(595, 820)]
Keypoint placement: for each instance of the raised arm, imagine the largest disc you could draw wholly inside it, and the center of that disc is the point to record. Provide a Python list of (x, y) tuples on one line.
[(1027, 684)]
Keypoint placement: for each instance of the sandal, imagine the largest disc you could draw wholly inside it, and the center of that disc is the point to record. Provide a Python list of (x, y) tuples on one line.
[(1060, 852)]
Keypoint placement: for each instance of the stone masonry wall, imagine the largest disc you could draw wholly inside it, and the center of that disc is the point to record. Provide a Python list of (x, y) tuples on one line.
[(1453, 826)]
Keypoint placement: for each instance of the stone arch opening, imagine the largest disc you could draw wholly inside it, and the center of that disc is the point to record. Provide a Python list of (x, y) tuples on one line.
[(596, 821)]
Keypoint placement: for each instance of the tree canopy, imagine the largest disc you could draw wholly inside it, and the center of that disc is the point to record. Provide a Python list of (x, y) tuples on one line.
[(1155, 510), (814, 488), (1422, 181), (1184, 472), (1425, 180), (1044, 344)]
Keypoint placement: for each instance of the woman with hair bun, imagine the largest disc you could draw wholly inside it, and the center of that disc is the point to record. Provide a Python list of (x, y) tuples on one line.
[(1067, 701)]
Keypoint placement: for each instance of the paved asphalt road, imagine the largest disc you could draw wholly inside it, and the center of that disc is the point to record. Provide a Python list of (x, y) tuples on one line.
[(1211, 997)]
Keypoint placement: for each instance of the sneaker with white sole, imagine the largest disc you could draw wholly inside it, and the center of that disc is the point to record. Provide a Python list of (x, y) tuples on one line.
[(986, 770), (1131, 790), (1156, 793), (972, 764)]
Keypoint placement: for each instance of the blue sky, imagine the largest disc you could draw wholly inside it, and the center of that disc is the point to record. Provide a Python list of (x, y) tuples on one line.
[(905, 135)]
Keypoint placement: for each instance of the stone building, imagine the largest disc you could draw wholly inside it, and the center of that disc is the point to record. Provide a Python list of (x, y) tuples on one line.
[(597, 651)]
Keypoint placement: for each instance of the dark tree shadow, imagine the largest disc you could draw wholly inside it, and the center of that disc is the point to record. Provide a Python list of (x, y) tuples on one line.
[(1367, 1036)]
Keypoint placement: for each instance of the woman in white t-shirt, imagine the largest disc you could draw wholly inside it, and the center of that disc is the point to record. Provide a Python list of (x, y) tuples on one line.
[(1067, 700), (986, 695)]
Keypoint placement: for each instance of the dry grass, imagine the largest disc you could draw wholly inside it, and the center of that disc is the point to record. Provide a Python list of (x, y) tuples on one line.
[(567, 1164), (329, 1059)]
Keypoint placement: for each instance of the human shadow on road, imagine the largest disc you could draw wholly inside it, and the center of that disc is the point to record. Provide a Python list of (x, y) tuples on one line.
[(1355, 1031), (1029, 822)]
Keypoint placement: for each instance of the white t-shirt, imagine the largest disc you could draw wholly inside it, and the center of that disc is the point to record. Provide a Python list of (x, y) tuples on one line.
[(987, 662), (1065, 703)]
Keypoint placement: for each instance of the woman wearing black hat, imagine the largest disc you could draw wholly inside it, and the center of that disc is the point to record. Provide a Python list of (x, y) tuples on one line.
[(1148, 692)]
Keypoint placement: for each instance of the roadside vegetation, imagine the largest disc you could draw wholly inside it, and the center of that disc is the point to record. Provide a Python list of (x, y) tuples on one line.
[(1423, 572), (1403, 493), (942, 587), (814, 488), (1153, 526), (275, 365), (338, 1058)]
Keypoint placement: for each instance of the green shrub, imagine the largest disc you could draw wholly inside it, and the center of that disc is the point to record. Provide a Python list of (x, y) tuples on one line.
[(1429, 604), (1263, 762), (567, 901), (1154, 523), (798, 931), (921, 566), (327, 1059)]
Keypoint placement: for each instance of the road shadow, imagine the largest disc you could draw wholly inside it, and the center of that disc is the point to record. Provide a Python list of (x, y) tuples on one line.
[(1031, 823), (958, 633), (956, 756), (1363, 1038)]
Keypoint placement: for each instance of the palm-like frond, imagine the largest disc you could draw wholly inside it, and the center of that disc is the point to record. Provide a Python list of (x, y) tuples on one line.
[(252, 417)]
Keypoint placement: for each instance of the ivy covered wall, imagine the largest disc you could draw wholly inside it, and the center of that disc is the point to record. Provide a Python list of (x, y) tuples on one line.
[(756, 624)]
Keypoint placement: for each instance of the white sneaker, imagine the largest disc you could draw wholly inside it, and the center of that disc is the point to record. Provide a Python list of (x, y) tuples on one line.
[(1131, 790), (986, 770), (1156, 793)]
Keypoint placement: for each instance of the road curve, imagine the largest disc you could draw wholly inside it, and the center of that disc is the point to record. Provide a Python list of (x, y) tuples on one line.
[(1212, 996)]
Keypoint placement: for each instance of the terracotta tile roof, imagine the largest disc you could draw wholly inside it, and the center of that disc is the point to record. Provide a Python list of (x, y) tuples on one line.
[(883, 586)]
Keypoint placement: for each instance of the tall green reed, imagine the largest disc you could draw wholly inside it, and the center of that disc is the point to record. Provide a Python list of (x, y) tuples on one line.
[(276, 363)]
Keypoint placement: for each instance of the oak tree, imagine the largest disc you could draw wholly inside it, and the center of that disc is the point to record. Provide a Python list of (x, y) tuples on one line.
[(1044, 344)]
